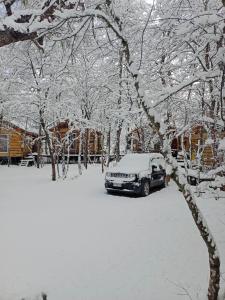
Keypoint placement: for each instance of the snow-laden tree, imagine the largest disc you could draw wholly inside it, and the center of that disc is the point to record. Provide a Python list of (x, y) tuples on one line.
[(175, 55)]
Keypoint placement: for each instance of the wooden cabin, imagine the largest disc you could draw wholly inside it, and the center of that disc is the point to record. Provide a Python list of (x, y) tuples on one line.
[(140, 140), (193, 139), (136, 139), (15, 142), (198, 138), (66, 138)]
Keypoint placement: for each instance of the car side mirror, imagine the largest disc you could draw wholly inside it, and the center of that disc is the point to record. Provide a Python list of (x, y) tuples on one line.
[(154, 168)]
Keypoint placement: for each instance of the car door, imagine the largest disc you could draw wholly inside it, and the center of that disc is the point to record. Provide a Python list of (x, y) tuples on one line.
[(157, 176)]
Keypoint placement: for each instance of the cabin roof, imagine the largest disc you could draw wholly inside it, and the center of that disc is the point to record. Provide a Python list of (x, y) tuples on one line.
[(9, 125), (65, 125)]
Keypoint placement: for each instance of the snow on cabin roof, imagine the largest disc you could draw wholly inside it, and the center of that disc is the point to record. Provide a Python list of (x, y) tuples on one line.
[(200, 124), (66, 124), (9, 125)]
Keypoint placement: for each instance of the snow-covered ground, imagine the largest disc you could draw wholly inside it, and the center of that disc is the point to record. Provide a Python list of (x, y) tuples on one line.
[(72, 241)]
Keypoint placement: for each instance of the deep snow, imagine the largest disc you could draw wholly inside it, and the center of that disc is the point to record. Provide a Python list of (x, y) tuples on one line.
[(72, 241)]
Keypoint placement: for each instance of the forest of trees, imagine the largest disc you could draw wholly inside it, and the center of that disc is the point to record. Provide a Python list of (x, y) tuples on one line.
[(115, 66)]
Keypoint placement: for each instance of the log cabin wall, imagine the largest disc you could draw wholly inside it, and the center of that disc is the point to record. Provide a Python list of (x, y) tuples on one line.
[(94, 142), (191, 142), (12, 143), (140, 141), (198, 136), (137, 140), (93, 137)]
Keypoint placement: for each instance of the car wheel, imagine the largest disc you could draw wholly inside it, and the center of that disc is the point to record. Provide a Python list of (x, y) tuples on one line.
[(164, 182), (145, 188), (110, 192)]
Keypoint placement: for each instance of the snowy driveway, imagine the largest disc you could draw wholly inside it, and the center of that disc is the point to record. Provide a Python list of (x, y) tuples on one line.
[(72, 241)]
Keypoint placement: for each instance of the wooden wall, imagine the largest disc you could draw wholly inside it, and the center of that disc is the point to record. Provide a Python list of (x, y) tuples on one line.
[(136, 137), (16, 145), (89, 136), (198, 136), (191, 141)]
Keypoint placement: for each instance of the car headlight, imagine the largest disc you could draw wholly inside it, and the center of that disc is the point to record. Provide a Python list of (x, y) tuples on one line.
[(132, 176)]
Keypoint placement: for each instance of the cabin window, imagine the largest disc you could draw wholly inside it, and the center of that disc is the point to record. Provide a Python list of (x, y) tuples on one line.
[(4, 142)]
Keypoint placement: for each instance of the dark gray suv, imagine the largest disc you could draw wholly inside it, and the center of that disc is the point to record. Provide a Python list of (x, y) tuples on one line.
[(137, 173)]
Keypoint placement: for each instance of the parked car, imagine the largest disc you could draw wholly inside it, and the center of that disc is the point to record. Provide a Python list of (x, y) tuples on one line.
[(137, 173)]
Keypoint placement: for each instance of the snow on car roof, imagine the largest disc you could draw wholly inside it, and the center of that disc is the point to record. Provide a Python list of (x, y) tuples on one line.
[(134, 162), (144, 155)]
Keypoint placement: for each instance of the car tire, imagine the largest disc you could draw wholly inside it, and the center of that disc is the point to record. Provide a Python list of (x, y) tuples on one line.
[(110, 192), (145, 188)]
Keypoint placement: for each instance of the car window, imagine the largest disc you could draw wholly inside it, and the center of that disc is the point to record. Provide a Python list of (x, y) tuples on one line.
[(159, 163), (155, 162)]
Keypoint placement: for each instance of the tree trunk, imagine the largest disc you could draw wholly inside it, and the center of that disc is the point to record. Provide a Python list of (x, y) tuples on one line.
[(214, 259), (63, 163), (53, 166), (68, 160), (102, 154), (85, 147), (108, 145), (8, 153), (50, 148), (7, 37), (79, 154), (57, 165), (39, 149), (117, 146)]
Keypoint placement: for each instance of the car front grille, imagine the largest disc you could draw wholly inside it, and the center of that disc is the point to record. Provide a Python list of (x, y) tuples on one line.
[(119, 175)]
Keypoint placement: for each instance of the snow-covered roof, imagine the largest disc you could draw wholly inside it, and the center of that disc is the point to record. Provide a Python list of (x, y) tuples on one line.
[(135, 162), (9, 125)]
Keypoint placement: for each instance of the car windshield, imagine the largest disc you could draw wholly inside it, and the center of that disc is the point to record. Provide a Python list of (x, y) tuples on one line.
[(135, 160)]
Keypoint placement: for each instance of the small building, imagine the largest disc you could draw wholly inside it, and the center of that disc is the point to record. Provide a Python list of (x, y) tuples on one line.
[(66, 140), (143, 140), (202, 141), (197, 139), (15, 142)]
